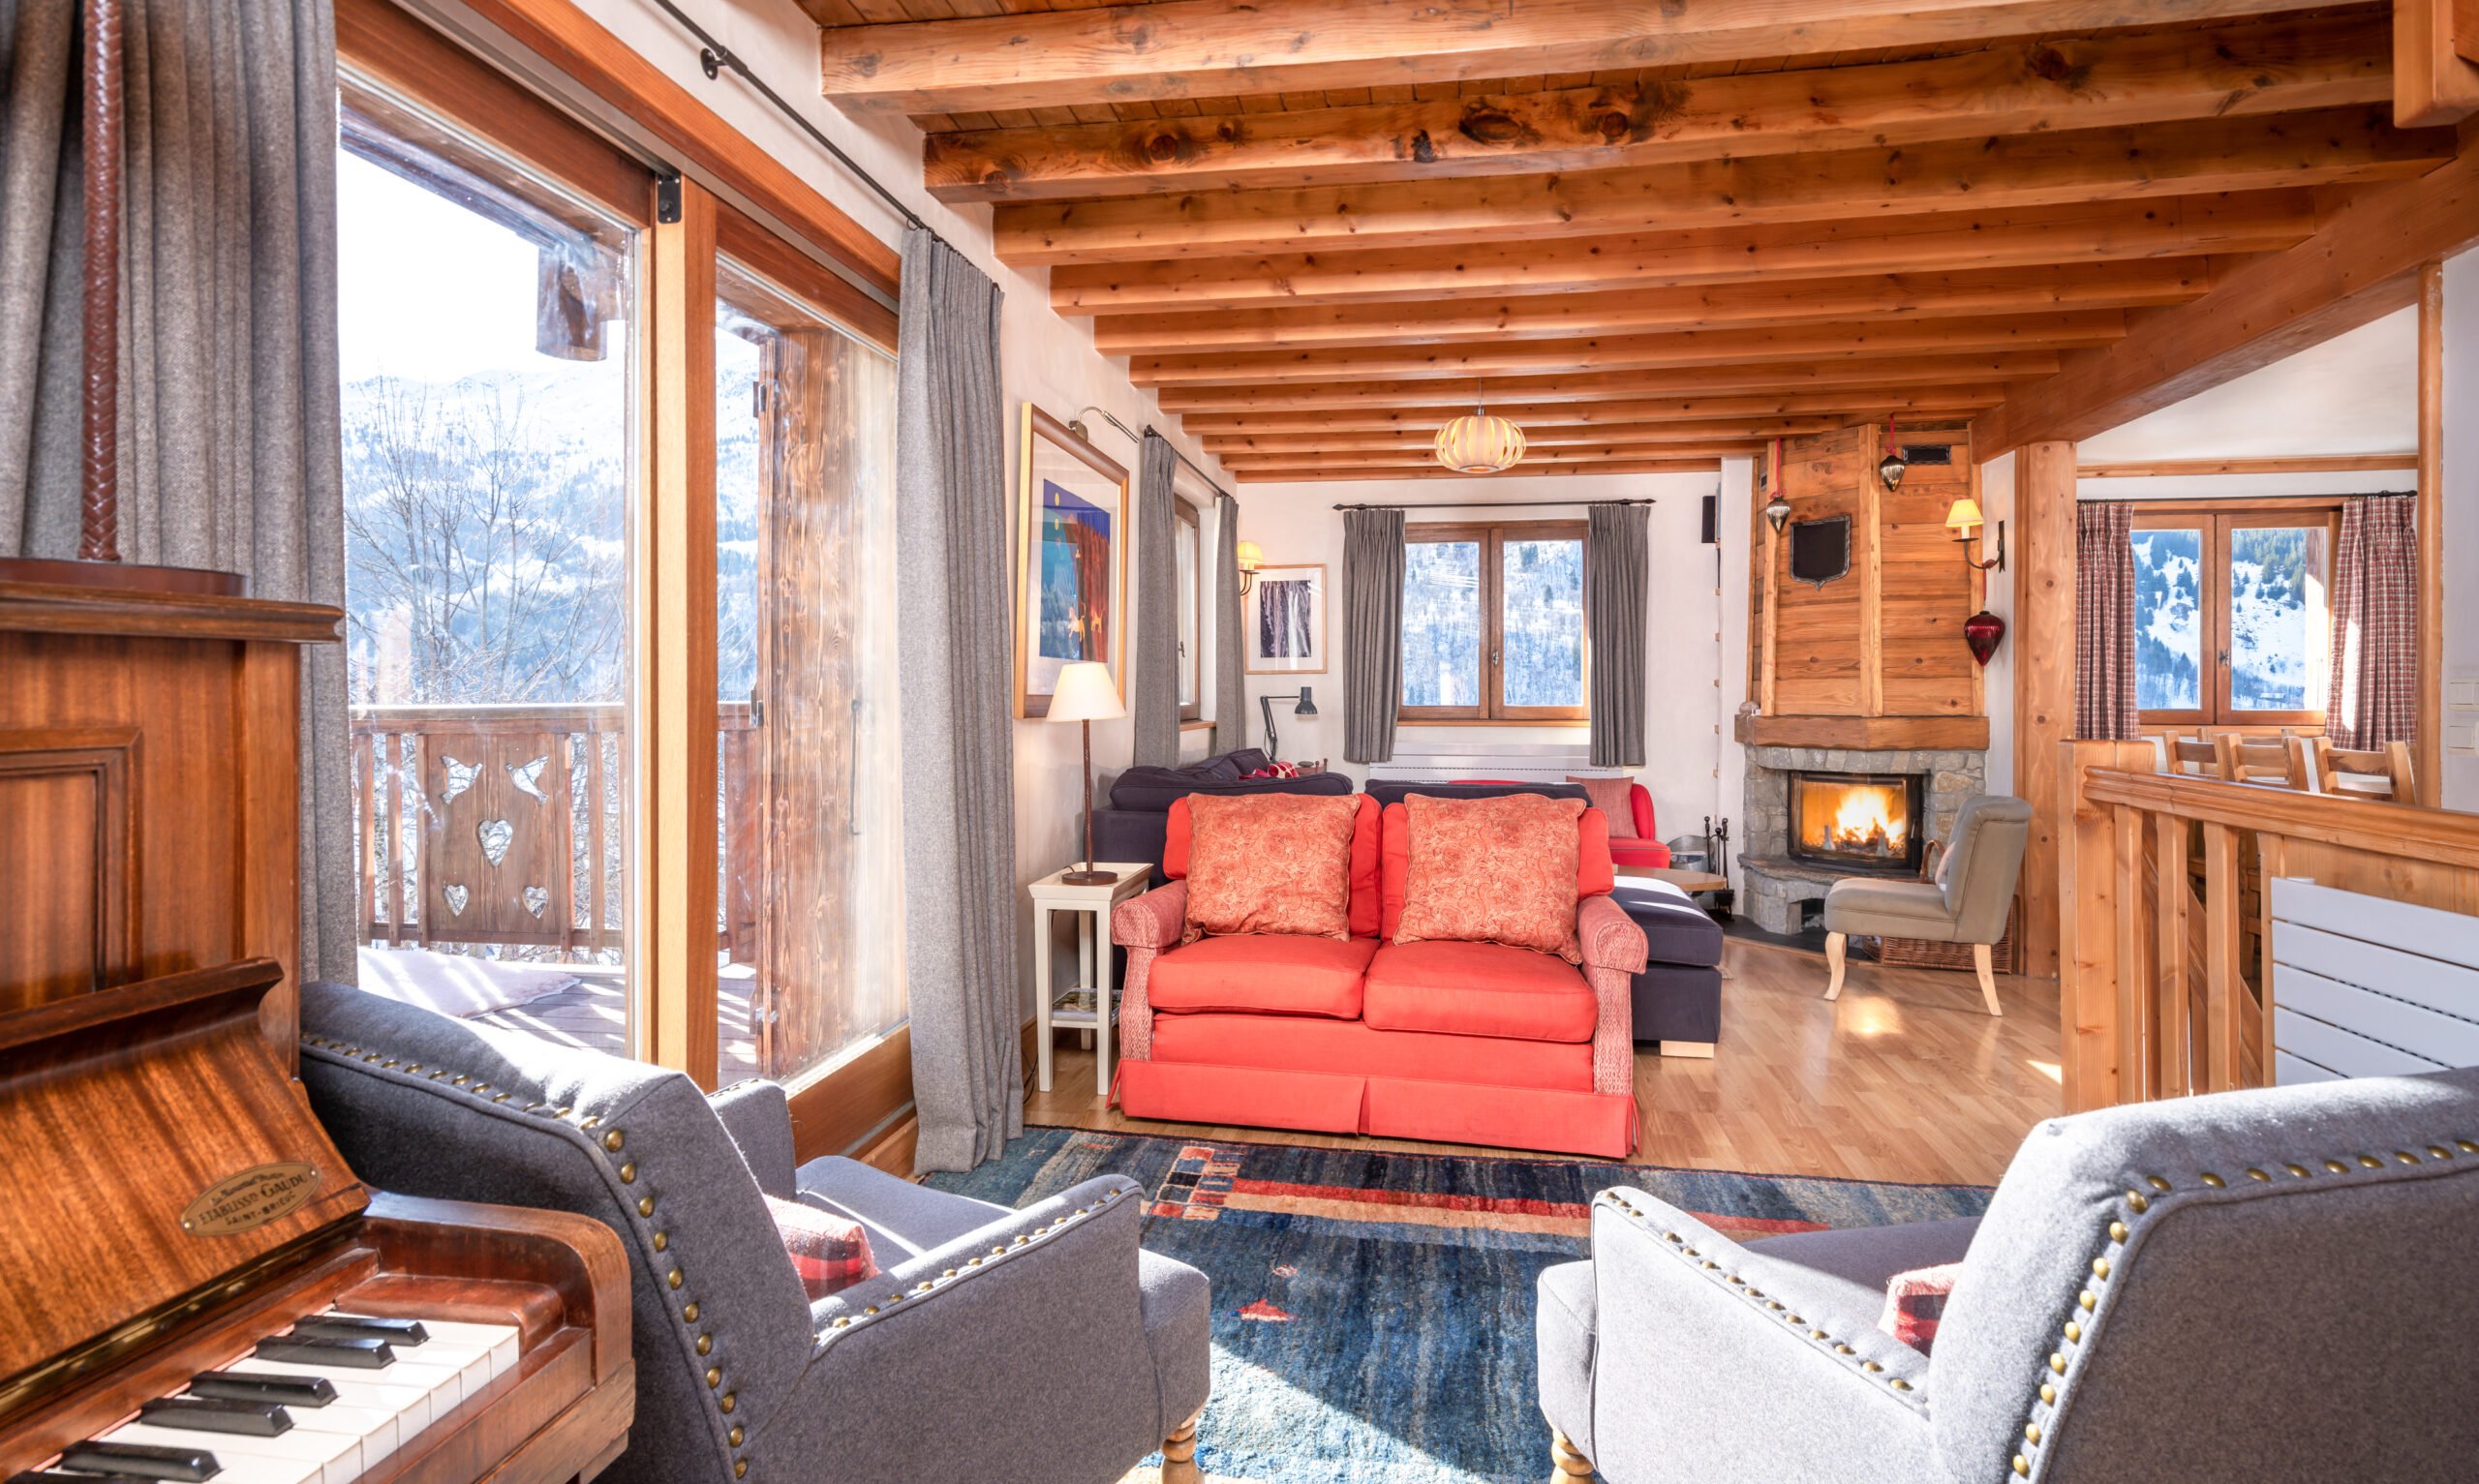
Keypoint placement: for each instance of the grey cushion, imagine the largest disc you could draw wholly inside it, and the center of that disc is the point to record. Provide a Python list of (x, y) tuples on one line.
[(1850, 1266), (1563, 1343), (1909, 909), (1676, 930)]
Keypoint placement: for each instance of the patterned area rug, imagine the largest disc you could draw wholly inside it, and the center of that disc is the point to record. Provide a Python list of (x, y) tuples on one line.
[(1372, 1312)]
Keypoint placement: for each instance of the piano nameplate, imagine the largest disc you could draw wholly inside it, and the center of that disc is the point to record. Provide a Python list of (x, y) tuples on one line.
[(249, 1200)]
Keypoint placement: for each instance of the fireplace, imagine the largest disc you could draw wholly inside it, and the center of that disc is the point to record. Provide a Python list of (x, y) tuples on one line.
[(1857, 821)]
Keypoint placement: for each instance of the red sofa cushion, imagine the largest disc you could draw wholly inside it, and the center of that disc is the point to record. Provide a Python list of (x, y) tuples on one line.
[(1179, 832), (1265, 974), (1307, 1044), (1638, 853), (1478, 990), (1593, 874)]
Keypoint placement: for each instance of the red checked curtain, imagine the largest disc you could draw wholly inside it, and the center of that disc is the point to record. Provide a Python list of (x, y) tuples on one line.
[(2104, 706), (2376, 575)]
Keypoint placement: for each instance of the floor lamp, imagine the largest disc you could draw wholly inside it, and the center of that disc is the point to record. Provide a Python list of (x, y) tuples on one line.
[(1085, 694)]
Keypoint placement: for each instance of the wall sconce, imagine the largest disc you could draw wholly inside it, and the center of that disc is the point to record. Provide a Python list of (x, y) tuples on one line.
[(1964, 520), (1266, 704), (1250, 558)]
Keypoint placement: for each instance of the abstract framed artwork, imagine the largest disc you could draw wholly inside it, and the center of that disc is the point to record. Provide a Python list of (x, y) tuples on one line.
[(1071, 560), (1285, 618)]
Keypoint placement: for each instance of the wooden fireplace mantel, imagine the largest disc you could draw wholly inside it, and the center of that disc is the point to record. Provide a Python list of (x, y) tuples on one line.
[(1877, 734)]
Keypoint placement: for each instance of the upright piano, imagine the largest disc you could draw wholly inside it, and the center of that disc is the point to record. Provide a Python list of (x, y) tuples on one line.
[(196, 1286)]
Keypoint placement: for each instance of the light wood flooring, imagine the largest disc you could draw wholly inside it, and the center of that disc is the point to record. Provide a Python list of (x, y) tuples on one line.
[(1903, 1078)]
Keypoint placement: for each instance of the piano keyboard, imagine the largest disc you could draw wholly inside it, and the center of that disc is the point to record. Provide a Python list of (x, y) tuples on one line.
[(319, 1403)]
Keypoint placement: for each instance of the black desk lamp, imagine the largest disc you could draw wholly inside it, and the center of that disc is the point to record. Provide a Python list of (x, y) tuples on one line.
[(1306, 707)]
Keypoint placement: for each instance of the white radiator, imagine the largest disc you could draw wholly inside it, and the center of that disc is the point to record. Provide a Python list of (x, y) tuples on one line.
[(2369, 986), (1426, 762)]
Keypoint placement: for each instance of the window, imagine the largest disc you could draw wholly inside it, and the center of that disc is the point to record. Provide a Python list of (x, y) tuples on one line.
[(2233, 617), (1493, 623), (1188, 548)]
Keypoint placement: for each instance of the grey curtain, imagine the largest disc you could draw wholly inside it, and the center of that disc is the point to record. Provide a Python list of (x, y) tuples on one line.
[(230, 442), (954, 646), (1617, 569), (2374, 698), (1155, 700), (1230, 665), (1373, 632)]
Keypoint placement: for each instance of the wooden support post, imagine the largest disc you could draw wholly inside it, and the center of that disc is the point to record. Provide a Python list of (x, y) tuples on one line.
[(2044, 677), (2172, 1022), (2139, 1077), (672, 734), (1872, 581), (2427, 746), (2091, 1052), (2224, 989)]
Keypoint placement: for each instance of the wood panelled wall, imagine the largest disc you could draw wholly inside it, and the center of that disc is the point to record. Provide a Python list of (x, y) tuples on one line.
[(1886, 639)]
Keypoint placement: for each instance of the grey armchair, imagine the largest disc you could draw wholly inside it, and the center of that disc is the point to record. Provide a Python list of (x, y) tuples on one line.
[(1040, 1345), (2250, 1288), (1966, 903)]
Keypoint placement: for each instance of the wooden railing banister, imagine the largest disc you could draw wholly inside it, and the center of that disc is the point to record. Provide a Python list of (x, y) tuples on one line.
[(2373, 825)]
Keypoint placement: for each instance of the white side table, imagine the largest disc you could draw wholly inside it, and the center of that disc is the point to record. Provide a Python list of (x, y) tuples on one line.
[(1088, 1004)]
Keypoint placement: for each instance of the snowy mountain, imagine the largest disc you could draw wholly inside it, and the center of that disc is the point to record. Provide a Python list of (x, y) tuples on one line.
[(2278, 646)]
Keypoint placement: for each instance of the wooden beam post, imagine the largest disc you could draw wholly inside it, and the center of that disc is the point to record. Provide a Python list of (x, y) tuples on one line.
[(2044, 677), (672, 734), (2091, 1038), (2428, 744)]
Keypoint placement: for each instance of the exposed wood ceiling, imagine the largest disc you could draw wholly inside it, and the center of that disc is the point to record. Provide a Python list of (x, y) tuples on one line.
[(1655, 231)]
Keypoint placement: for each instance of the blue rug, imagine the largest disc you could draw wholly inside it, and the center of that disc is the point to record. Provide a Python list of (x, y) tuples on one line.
[(1372, 1312)]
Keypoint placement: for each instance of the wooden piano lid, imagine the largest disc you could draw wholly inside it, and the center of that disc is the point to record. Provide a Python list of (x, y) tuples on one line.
[(159, 1159)]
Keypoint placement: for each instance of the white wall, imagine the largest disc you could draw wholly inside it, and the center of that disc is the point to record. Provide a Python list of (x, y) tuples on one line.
[(1297, 522), (2461, 772), (1044, 359)]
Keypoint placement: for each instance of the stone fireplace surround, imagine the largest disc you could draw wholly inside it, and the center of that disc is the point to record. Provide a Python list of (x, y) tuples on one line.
[(1776, 885)]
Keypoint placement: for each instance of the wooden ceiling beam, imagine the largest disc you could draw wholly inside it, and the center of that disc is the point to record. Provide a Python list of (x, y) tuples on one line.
[(1462, 361), (2103, 231), (1536, 458), (1291, 445), (2031, 291), (2361, 265), (1773, 378), (1837, 405), (2278, 65), (1225, 49), (2326, 147), (1315, 474)]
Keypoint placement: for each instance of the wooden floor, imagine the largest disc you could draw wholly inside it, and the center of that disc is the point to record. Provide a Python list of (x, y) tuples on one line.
[(1905, 1078)]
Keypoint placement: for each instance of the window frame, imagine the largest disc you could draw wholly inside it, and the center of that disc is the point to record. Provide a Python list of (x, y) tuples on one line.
[(1492, 537), (1194, 534), (2216, 519)]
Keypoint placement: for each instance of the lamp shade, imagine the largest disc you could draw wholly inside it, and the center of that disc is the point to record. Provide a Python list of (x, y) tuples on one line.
[(1962, 518), (1086, 693), (1478, 443), (1250, 557)]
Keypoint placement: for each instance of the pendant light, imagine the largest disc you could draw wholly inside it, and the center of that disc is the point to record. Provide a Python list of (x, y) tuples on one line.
[(1777, 510), (1478, 443), (1890, 468)]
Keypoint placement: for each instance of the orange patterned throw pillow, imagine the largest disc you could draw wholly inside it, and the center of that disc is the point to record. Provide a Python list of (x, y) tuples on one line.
[(1271, 864), (1492, 871)]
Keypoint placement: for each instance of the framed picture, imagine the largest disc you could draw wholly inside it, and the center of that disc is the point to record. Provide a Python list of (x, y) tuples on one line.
[(1071, 555), (1285, 618)]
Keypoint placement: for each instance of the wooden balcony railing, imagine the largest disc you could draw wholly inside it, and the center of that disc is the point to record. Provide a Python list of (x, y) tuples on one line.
[(2162, 917), (504, 823)]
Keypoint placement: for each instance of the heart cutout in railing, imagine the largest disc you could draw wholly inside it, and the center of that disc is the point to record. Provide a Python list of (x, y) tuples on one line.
[(535, 900), (495, 836), (456, 896)]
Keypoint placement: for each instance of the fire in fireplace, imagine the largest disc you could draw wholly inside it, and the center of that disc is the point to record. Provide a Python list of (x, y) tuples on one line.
[(1861, 821)]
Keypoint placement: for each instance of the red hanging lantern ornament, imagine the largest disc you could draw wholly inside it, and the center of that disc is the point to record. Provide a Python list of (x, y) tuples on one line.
[(1982, 631)]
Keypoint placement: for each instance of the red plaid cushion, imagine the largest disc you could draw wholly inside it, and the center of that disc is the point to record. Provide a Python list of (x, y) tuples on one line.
[(830, 1253), (1915, 1301), (1277, 771)]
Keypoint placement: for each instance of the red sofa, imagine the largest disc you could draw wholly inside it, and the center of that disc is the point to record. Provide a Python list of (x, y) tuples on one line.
[(1645, 849), (1467, 1043)]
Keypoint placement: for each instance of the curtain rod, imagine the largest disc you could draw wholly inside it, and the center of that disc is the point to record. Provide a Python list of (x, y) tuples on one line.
[(1076, 425), (2134, 497), (714, 57), (1490, 504)]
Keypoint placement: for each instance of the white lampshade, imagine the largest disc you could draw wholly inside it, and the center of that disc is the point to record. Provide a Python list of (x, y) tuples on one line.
[(1084, 693), (1962, 518), (1250, 558)]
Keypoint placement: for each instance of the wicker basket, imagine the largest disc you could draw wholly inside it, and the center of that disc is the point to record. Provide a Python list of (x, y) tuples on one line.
[(1922, 953)]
